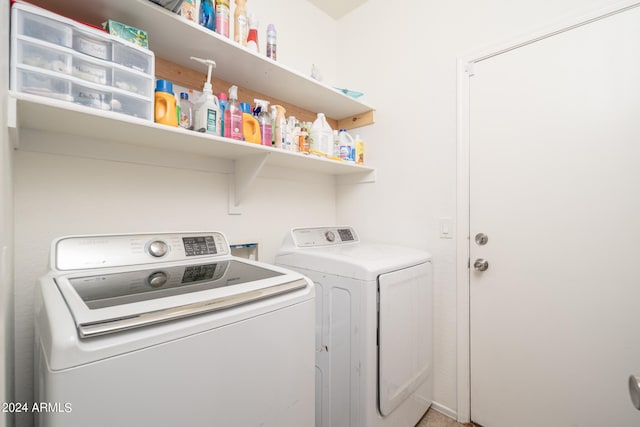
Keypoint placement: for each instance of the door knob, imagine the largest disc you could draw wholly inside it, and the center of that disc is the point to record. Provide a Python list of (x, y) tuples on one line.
[(481, 239), (481, 264), (634, 390)]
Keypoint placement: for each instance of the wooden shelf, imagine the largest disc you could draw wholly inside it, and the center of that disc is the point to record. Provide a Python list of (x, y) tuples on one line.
[(168, 32)]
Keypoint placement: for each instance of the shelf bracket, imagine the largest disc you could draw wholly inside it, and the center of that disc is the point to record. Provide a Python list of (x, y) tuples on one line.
[(12, 121), (358, 178), (245, 170)]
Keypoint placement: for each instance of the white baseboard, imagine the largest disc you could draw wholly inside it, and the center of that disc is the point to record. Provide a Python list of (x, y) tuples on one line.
[(444, 410)]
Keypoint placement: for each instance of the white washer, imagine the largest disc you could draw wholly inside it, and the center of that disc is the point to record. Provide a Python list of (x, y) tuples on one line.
[(373, 327), (169, 329)]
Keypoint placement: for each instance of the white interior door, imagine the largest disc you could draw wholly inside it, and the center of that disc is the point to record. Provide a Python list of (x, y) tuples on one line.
[(554, 145)]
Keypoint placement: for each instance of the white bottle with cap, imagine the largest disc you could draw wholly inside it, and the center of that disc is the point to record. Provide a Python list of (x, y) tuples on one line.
[(321, 136)]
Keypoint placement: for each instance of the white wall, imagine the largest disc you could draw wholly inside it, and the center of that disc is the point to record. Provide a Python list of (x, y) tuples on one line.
[(411, 79), (6, 226), (306, 35)]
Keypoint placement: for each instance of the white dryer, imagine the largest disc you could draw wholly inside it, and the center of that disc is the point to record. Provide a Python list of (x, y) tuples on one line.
[(170, 330), (373, 326)]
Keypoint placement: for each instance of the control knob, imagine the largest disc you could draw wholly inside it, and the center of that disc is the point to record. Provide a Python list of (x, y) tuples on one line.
[(158, 248), (157, 279)]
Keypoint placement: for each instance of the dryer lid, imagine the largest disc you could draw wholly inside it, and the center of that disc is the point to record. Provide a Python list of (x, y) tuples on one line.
[(362, 261)]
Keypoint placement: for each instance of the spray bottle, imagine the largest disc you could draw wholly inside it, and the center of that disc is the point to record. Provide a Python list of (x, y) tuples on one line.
[(207, 110), (252, 37), (235, 115), (264, 118)]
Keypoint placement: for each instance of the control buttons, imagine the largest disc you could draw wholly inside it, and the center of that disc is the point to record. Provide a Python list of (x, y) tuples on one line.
[(157, 279), (330, 236), (158, 248)]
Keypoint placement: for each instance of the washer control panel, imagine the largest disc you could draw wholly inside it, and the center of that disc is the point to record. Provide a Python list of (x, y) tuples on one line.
[(86, 252), (323, 236)]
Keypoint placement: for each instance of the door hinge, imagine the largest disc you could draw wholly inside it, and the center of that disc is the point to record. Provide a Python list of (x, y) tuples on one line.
[(470, 69)]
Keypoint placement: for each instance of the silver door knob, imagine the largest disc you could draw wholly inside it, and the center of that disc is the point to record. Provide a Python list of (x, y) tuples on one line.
[(481, 239), (634, 390), (481, 264)]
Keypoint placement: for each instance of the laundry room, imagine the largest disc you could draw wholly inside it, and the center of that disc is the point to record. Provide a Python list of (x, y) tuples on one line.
[(528, 248)]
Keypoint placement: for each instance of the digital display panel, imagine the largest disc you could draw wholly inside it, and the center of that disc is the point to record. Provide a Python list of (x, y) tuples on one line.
[(345, 234), (202, 245)]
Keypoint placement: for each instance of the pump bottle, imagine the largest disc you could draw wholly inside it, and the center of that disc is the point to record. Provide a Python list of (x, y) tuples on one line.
[(207, 110)]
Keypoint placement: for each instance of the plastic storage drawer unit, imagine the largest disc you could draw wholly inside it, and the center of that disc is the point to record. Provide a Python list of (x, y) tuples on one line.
[(56, 57)]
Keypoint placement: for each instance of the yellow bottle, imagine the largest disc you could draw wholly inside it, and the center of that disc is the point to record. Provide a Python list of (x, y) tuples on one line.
[(166, 110), (251, 128), (359, 150)]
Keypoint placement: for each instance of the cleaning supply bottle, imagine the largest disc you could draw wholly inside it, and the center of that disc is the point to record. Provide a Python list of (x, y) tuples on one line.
[(359, 150), (224, 114), (207, 16), (280, 127), (207, 110), (303, 138), (240, 23), (165, 104), (321, 136), (251, 128), (223, 13), (186, 111), (290, 133), (271, 41), (252, 37), (264, 119), (235, 115), (347, 147), (336, 144)]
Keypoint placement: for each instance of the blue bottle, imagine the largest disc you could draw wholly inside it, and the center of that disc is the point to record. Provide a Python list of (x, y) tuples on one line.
[(207, 16)]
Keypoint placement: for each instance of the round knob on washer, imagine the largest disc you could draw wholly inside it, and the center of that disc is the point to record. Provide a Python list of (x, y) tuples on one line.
[(330, 236), (158, 248), (157, 279)]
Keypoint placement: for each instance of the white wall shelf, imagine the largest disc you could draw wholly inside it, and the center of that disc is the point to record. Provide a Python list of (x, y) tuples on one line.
[(168, 32), (49, 115)]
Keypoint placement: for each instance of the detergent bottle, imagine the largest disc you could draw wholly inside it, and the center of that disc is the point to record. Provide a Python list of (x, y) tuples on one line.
[(207, 115), (321, 136), (166, 111), (250, 125)]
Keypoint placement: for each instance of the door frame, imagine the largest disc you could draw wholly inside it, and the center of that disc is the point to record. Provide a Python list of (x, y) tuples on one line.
[(465, 70)]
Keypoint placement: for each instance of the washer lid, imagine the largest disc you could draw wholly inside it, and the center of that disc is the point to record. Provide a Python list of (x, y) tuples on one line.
[(363, 261), (116, 300)]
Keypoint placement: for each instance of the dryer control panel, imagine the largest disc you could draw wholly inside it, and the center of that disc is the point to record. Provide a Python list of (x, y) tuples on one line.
[(323, 236), (100, 251)]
